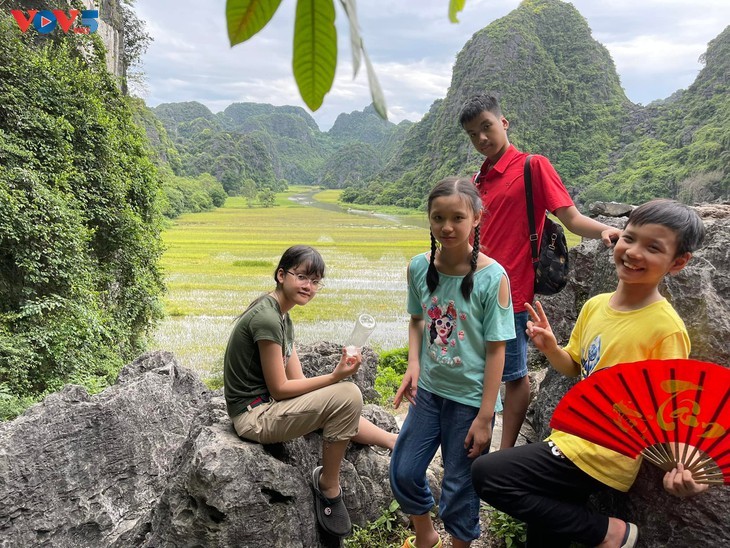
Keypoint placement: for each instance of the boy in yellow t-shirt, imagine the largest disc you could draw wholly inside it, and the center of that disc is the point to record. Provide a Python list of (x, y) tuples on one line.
[(547, 484)]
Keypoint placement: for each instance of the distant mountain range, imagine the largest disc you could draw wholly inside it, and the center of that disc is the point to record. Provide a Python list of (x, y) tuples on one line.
[(558, 87)]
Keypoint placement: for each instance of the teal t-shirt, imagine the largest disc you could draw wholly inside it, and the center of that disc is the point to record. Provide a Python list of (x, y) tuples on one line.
[(456, 330), (243, 376)]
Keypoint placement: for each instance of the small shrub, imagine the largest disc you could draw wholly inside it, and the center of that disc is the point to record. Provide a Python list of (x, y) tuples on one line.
[(11, 405), (392, 366), (386, 384), (505, 527), (386, 531), (396, 359), (214, 382)]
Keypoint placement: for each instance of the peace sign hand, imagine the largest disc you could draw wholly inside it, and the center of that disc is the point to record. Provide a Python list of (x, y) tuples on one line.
[(539, 330)]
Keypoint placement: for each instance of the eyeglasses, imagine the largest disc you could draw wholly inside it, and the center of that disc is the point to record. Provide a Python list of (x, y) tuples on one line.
[(302, 279)]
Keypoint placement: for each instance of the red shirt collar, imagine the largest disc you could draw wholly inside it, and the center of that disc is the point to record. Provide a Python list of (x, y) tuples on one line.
[(503, 161)]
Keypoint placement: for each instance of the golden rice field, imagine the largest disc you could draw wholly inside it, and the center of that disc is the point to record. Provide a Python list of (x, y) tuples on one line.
[(216, 262)]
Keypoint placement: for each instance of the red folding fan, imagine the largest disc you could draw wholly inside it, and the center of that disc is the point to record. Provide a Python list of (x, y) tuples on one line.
[(669, 411)]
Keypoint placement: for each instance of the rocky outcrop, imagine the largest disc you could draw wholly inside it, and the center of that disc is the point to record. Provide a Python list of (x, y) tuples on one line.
[(110, 26), (154, 461), (111, 31), (610, 209), (701, 295)]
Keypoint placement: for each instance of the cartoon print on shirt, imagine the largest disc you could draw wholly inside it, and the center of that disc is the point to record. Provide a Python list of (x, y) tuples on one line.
[(442, 323), (441, 327), (590, 358)]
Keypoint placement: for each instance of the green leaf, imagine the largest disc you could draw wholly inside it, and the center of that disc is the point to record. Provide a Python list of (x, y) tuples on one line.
[(246, 17), (375, 91), (315, 50), (455, 6), (355, 39)]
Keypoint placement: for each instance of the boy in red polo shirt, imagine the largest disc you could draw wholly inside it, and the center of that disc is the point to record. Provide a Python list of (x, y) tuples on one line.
[(505, 235)]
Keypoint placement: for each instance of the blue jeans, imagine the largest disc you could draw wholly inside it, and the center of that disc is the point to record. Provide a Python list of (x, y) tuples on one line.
[(435, 421), (515, 354)]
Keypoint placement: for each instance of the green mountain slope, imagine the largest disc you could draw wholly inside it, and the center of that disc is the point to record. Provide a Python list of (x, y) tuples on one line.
[(681, 146), (361, 126)]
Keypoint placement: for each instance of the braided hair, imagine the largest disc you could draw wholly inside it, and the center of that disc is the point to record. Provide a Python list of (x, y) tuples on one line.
[(448, 187)]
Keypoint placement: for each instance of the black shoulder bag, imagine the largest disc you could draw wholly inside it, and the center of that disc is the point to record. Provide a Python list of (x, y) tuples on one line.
[(550, 261)]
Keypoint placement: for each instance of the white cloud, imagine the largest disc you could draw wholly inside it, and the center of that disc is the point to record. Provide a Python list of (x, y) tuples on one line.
[(653, 55)]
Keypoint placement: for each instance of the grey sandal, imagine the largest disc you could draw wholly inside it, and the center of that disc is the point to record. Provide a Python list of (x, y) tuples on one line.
[(331, 513)]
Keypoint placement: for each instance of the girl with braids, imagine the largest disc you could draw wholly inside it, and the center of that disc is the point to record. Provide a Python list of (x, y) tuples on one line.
[(461, 316)]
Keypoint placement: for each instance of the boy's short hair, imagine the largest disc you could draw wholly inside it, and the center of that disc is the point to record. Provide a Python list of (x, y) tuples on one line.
[(474, 106), (680, 218)]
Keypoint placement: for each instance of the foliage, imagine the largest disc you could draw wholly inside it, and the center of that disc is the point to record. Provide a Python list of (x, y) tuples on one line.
[(214, 382), (161, 149), (267, 198), (315, 43), (702, 187), (11, 405), (135, 36), (387, 383), (396, 359), (351, 165), (387, 530), (505, 527), (188, 195), (392, 366), (179, 194), (315, 50), (79, 218)]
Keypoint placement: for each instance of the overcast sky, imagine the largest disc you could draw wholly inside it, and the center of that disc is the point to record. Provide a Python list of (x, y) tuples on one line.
[(655, 45)]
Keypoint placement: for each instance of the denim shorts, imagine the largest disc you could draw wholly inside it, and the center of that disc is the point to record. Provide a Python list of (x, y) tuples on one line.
[(515, 355), (432, 422)]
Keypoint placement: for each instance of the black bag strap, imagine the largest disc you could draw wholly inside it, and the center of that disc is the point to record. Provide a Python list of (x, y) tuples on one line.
[(530, 209)]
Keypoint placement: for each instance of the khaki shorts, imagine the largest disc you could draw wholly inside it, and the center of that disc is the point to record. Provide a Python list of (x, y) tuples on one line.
[(335, 409)]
